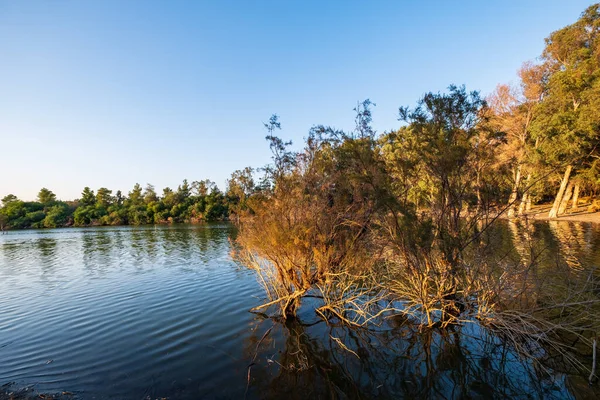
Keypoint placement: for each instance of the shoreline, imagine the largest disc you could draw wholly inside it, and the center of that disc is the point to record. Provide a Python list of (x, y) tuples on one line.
[(219, 221), (580, 214), (537, 213)]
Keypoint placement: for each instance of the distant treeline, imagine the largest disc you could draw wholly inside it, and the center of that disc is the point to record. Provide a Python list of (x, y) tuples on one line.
[(195, 202)]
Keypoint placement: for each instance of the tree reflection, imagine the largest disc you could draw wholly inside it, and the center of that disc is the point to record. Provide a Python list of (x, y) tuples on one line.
[(398, 361), (47, 248)]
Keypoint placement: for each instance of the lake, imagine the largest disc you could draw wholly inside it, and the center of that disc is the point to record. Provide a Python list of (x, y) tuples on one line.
[(162, 311)]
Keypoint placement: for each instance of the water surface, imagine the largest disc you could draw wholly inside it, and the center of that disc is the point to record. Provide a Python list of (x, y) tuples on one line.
[(162, 311)]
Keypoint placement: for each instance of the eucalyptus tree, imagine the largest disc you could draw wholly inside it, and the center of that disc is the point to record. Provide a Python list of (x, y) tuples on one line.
[(512, 111), (567, 121)]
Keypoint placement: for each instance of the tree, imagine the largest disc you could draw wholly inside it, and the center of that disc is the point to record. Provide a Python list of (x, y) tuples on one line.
[(363, 119), (449, 128), (135, 196), (283, 159), (239, 187), (14, 211), (512, 111), (183, 191), (216, 207), (566, 123), (104, 197), (315, 226), (119, 198), (46, 196), (150, 195), (87, 197), (9, 198), (84, 215), (203, 188), (136, 208)]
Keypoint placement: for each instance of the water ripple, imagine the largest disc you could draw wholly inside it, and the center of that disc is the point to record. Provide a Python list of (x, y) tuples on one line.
[(113, 312)]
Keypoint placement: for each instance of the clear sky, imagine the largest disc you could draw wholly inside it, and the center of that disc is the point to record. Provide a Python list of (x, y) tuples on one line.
[(110, 93)]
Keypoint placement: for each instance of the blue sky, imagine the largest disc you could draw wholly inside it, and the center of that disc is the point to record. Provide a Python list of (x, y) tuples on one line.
[(110, 93)]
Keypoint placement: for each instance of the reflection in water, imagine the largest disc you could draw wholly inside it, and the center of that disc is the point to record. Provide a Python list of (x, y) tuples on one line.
[(396, 362), (47, 247), (521, 233), (571, 241), (162, 311)]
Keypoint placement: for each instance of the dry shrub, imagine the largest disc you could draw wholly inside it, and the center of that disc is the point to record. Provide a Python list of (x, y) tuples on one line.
[(550, 315), (314, 229), (425, 286), (356, 300)]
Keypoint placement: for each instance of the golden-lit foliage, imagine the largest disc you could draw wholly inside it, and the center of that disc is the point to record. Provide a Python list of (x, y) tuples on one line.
[(378, 226), (316, 222)]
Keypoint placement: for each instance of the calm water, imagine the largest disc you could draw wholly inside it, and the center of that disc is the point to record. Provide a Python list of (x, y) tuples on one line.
[(163, 312)]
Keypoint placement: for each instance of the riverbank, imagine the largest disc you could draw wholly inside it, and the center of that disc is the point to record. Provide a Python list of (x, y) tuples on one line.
[(580, 214)]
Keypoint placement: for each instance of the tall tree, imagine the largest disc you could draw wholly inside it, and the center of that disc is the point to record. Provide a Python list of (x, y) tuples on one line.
[(46, 196), (283, 158), (150, 195), (567, 121), (239, 187), (448, 126), (104, 197), (135, 197), (512, 111), (203, 188), (87, 197)]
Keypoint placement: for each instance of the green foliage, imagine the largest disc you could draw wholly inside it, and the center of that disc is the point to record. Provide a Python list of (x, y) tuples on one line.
[(57, 216), (567, 121), (9, 198), (198, 202), (239, 187), (84, 215), (150, 195), (451, 137), (46, 196), (104, 197), (87, 197)]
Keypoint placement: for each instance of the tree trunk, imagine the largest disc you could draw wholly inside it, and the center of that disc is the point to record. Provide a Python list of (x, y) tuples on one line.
[(523, 203), (561, 191), (525, 198), (513, 196), (565, 200), (575, 197)]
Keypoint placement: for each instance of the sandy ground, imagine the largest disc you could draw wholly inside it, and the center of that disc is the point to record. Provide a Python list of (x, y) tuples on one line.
[(581, 214)]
